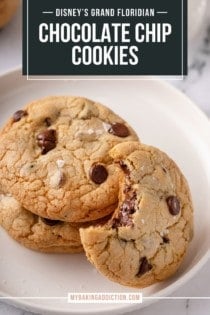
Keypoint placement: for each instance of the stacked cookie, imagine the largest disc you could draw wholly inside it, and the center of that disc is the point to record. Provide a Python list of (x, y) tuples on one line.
[(74, 175), (54, 163)]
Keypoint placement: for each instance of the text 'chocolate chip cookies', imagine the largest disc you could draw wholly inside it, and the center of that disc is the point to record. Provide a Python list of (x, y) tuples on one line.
[(148, 235), (54, 158)]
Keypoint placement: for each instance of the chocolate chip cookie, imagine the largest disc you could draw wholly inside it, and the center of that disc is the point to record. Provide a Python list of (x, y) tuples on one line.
[(54, 158), (7, 10), (148, 235), (34, 232)]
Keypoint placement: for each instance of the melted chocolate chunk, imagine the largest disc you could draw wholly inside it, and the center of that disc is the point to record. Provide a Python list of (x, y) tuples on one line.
[(47, 140), (19, 114), (173, 205), (126, 210), (122, 220), (98, 173), (128, 206), (50, 222), (144, 267), (119, 130), (115, 223)]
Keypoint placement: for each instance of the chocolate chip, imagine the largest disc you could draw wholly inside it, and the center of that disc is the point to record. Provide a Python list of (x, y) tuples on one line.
[(165, 239), (19, 114), (145, 266), (164, 170), (50, 222), (47, 140), (124, 167), (119, 130), (98, 173), (173, 205), (48, 121)]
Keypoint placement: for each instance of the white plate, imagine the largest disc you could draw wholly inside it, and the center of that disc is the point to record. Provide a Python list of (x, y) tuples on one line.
[(163, 117)]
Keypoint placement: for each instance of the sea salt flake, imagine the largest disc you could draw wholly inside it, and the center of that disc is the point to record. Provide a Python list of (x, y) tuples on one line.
[(90, 131), (57, 179), (106, 126), (60, 163)]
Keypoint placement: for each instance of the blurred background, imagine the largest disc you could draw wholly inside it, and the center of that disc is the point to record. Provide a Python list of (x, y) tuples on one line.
[(196, 85)]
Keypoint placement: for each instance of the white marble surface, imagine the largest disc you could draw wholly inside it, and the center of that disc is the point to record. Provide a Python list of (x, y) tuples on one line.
[(197, 86)]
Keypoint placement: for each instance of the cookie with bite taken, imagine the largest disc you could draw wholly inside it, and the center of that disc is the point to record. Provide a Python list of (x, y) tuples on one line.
[(148, 235)]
